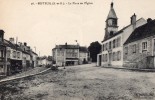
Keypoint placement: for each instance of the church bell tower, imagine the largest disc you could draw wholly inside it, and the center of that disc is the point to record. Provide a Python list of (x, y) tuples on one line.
[(111, 23)]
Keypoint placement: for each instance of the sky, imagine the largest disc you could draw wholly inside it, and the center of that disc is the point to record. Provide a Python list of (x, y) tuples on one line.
[(44, 26)]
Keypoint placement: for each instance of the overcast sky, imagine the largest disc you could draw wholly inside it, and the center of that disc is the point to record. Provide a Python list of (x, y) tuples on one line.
[(44, 26)]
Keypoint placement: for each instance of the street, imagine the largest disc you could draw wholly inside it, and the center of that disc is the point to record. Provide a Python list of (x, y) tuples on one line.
[(83, 82)]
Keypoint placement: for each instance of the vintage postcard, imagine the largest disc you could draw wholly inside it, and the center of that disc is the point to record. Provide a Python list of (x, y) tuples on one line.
[(77, 50)]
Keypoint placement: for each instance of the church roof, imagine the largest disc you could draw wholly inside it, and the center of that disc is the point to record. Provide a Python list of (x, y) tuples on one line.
[(112, 13), (142, 32)]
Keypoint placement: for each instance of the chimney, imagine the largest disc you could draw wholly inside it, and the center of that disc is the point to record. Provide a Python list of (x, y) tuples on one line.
[(149, 20), (28, 48), (133, 19), (66, 45), (1, 35), (12, 40), (25, 44), (20, 44)]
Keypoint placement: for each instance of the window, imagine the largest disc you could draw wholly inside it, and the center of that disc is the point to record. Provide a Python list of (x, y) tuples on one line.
[(114, 43), (118, 42), (1, 66), (14, 54), (144, 46), (106, 46), (134, 48), (106, 57), (103, 58), (1, 53), (113, 56), (103, 47), (0, 38), (62, 53), (18, 54), (111, 33), (126, 50), (8, 53), (114, 21), (110, 45), (58, 52), (118, 56)]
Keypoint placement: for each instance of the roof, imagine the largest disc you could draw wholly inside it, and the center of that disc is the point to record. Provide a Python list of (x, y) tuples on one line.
[(14, 46), (112, 13), (83, 49), (142, 32), (49, 58), (42, 58), (67, 46), (26, 52), (9, 44), (120, 31), (34, 53), (115, 34)]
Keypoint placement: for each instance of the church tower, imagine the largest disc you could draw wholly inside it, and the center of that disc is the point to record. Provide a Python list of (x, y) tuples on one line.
[(111, 23)]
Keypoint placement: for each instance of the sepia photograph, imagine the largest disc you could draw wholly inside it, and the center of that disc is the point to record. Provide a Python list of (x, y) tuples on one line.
[(77, 50)]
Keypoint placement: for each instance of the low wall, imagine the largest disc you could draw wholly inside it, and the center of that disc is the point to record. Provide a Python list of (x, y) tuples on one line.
[(145, 63)]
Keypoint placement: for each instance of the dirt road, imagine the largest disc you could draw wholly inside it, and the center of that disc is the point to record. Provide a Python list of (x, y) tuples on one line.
[(84, 82)]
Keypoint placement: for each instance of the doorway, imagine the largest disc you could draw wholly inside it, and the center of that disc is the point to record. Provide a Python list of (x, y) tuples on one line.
[(100, 59)]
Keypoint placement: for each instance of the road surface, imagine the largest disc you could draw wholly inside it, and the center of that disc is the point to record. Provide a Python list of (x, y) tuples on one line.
[(83, 82)]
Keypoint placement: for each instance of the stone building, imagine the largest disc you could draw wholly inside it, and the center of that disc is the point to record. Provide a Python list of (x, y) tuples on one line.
[(83, 55), (15, 57), (44, 61), (112, 44), (2, 53), (139, 49), (64, 55)]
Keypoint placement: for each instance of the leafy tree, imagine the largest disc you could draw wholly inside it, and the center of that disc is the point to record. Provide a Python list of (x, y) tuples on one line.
[(94, 49)]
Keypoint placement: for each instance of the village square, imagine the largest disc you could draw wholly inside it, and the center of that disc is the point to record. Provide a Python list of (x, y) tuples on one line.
[(121, 66)]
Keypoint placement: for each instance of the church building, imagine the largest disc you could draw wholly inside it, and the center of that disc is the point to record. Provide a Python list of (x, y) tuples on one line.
[(112, 45)]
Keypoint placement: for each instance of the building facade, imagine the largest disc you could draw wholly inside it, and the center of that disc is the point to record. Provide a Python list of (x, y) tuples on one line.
[(139, 49), (2, 53), (15, 57), (45, 61), (112, 45), (83, 55), (65, 55)]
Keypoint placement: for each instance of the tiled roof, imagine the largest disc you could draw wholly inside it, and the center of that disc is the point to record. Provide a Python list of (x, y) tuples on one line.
[(14, 46), (142, 32), (83, 49), (115, 34), (67, 46), (26, 52), (34, 53), (9, 44)]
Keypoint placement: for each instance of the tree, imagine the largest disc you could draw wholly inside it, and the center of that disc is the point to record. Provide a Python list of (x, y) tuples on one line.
[(94, 49)]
